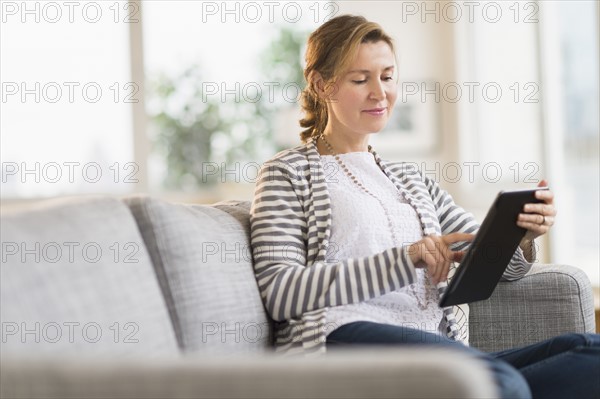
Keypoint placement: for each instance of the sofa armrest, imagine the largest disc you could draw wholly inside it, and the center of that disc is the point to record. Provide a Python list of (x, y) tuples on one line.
[(550, 300), (355, 373)]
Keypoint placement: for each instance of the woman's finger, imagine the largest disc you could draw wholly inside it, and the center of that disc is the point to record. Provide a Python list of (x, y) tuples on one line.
[(444, 275), (431, 264), (541, 208), (457, 237), (533, 218), (446, 255), (457, 256)]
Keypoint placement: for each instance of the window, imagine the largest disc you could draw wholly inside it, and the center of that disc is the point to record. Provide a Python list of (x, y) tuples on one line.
[(66, 98), (223, 85), (578, 38)]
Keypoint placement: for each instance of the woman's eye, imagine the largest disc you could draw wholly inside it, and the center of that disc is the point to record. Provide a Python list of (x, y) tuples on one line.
[(359, 81), (388, 78)]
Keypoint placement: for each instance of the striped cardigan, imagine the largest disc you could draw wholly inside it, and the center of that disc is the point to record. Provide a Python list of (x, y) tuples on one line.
[(290, 222)]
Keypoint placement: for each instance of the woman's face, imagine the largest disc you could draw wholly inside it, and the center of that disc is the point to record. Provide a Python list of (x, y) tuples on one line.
[(363, 98)]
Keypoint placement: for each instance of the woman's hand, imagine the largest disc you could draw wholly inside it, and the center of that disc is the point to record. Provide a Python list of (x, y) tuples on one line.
[(539, 217), (433, 252)]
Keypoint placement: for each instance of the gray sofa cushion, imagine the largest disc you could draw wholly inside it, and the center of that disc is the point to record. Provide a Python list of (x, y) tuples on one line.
[(204, 262), (76, 278)]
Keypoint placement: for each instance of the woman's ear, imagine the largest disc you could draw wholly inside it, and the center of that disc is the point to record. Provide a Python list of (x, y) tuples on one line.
[(318, 84)]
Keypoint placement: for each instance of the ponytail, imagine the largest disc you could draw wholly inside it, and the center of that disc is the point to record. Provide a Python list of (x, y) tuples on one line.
[(315, 115)]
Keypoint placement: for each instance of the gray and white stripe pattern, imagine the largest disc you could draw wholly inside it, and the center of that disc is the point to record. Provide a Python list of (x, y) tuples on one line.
[(290, 223)]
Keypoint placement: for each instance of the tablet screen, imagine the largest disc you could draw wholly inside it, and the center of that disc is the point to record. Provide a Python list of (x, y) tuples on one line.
[(491, 250)]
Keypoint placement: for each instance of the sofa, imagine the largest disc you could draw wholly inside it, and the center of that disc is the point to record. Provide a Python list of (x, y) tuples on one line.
[(139, 297)]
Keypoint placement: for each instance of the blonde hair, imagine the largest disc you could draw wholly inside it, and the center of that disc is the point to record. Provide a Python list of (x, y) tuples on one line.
[(330, 50)]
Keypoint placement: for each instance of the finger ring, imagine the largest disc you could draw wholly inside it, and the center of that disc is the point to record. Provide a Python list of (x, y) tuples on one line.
[(543, 219)]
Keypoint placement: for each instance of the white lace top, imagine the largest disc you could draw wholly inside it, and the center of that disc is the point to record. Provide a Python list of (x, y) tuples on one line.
[(360, 228)]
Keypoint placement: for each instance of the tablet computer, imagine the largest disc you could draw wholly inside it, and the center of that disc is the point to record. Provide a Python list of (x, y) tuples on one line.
[(491, 251)]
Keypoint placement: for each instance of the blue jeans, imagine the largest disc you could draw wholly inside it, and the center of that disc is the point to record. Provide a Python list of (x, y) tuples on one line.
[(567, 366)]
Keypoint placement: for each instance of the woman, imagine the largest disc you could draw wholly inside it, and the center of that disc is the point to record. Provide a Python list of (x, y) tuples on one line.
[(346, 254)]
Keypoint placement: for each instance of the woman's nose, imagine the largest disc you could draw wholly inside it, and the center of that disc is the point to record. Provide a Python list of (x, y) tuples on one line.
[(377, 91)]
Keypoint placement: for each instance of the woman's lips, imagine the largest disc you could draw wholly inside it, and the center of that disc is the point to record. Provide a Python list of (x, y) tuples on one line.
[(376, 111)]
